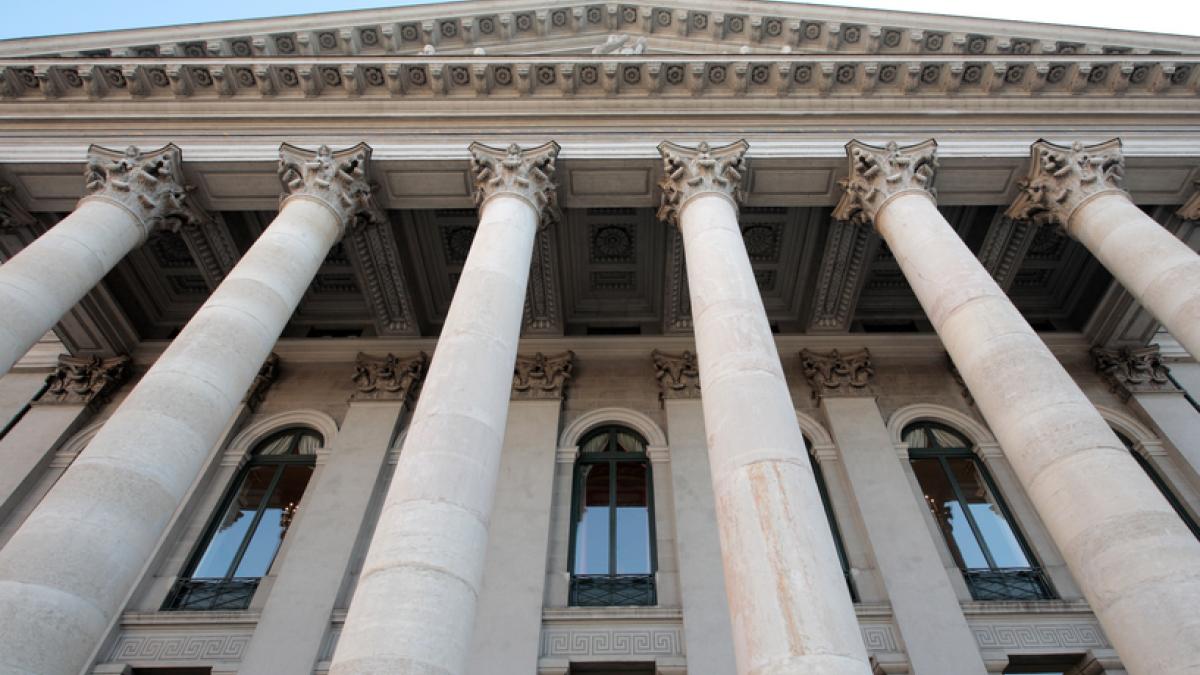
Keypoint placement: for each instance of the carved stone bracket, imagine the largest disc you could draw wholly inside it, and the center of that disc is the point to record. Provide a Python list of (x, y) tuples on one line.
[(339, 179), (527, 174), (1133, 371), (837, 374), (12, 214), (688, 172), (1061, 178), (542, 377), (388, 378), (1189, 211), (266, 376), (879, 174), (678, 375), (150, 185), (87, 380)]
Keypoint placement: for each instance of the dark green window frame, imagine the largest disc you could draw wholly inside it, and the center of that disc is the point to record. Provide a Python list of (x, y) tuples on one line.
[(838, 543), (1161, 484)]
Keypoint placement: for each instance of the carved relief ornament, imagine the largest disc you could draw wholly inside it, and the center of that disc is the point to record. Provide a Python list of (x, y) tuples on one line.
[(150, 185), (12, 214), (879, 174), (1061, 178), (88, 380), (527, 174), (678, 375), (266, 376), (542, 377), (1133, 371), (688, 172), (388, 378), (338, 179), (836, 374)]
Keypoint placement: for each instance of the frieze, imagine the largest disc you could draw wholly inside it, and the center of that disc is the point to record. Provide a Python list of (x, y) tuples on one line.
[(688, 172), (878, 174), (1039, 635), (170, 647), (1130, 371), (87, 380), (528, 174), (1061, 178), (388, 378), (678, 375), (339, 179), (837, 374), (661, 641), (541, 377), (267, 374), (150, 185)]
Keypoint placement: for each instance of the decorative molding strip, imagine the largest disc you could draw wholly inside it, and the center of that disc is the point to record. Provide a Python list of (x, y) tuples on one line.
[(1131, 371), (843, 270), (388, 378), (1040, 635), (1004, 248), (879, 637), (87, 380), (212, 247), (160, 646), (375, 256), (836, 374), (542, 377), (677, 313), (612, 641), (678, 375), (543, 316), (262, 381)]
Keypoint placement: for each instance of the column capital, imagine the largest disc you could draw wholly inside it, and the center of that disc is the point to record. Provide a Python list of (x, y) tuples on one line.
[(87, 380), (836, 374), (541, 377), (150, 185), (688, 172), (388, 378), (1189, 211), (678, 375), (526, 174), (266, 376), (1061, 178), (877, 174), (12, 214), (339, 179), (1130, 371)]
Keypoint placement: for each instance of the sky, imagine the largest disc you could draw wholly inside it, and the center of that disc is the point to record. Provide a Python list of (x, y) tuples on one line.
[(49, 17)]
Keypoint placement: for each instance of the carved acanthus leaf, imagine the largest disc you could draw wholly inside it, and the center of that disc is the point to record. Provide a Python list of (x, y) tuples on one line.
[(150, 184), (678, 375), (1063, 177), (1190, 210), (388, 378), (12, 214), (266, 376), (1131, 371), (542, 377), (88, 380), (878, 174), (528, 174), (836, 374), (339, 179), (688, 172)]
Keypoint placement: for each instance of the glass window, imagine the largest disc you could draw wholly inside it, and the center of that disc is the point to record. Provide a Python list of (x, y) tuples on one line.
[(833, 526), (1161, 485), (612, 555), (978, 529), (242, 541)]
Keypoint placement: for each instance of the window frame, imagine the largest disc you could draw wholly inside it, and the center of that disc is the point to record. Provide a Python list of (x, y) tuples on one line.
[(1159, 482), (838, 543)]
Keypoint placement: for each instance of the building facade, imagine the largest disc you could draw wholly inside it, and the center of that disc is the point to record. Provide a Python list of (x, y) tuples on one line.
[(684, 337)]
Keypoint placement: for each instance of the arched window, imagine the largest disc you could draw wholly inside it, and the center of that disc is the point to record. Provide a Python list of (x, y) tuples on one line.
[(994, 559), (833, 526), (612, 557), (240, 544), (1161, 485)]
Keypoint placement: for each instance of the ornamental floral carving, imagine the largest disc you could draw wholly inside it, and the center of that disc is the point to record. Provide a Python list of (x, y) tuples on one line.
[(678, 375), (542, 377), (1062, 177), (528, 174), (878, 174), (388, 378), (87, 380), (1130, 371), (150, 184), (266, 376), (337, 178), (688, 172), (12, 214), (836, 374)]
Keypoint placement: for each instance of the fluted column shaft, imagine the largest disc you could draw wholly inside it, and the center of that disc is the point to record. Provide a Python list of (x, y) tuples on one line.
[(67, 572), (414, 608), (1137, 564), (790, 610)]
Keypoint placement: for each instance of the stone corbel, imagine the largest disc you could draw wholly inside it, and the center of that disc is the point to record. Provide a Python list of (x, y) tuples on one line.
[(338, 179), (836, 374), (688, 172), (1061, 178), (1130, 371), (267, 374), (678, 375), (388, 378), (87, 380), (150, 185), (541, 377), (879, 174), (526, 174)]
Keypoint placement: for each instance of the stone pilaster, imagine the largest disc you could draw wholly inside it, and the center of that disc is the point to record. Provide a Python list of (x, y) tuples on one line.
[(688, 172), (879, 175), (88, 380), (150, 185), (1130, 371), (262, 382), (836, 374), (525, 174), (336, 179), (1062, 178), (542, 377), (388, 378), (678, 375)]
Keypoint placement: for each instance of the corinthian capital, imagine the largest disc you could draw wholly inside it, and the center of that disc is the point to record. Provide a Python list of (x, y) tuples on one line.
[(1133, 371), (527, 174), (1062, 178), (542, 377), (388, 378), (89, 380), (150, 185), (12, 214), (337, 178), (878, 174), (678, 375), (688, 172), (837, 374)]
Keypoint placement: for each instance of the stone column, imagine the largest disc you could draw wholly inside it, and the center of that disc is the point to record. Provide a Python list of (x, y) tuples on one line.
[(129, 194), (296, 617), (707, 633), (67, 572), (1079, 189), (508, 623), (787, 598), (1135, 561), (414, 607), (936, 635)]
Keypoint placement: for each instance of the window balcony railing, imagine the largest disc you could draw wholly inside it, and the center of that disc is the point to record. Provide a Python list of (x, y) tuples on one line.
[(615, 590), (213, 595), (1008, 584)]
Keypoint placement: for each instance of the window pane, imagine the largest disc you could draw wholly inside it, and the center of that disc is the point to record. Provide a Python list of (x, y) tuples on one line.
[(597, 443), (233, 526), (942, 502), (628, 442), (277, 445), (633, 519), (276, 518), (996, 530), (591, 531)]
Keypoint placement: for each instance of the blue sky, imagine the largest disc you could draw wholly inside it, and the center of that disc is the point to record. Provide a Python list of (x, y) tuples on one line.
[(49, 17)]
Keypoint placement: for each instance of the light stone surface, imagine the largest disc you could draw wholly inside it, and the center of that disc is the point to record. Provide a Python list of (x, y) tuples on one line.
[(16, 390), (1177, 420), (62, 576), (28, 448), (1138, 566)]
